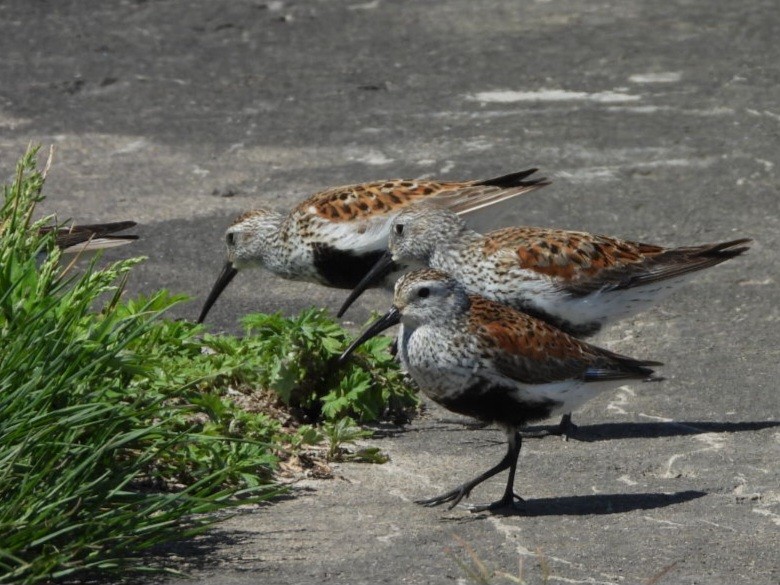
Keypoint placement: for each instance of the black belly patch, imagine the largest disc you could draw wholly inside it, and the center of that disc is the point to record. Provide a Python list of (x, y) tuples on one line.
[(498, 404), (344, 269)]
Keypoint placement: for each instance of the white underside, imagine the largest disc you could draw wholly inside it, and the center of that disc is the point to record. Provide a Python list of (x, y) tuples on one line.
[(602, 306)]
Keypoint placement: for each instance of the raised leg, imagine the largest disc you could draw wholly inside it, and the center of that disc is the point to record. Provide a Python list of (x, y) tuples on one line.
[(514, 442)]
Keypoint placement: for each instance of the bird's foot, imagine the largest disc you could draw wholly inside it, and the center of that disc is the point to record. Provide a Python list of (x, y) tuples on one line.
[(453, 496), (510, 502)]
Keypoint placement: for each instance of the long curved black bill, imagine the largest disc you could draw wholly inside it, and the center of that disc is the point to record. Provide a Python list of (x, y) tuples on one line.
[(382, 268), (224, 278), (392, 317)]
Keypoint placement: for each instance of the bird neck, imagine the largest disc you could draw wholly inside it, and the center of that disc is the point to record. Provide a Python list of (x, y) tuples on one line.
[(449, 255), (439, 241), (275, 243)]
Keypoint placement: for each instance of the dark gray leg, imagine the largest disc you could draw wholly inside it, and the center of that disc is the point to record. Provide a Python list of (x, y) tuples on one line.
[(509, 499), (514, 442)]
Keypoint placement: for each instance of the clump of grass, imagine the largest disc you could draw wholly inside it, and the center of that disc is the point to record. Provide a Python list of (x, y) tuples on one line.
[(120, 430), (79, 444)]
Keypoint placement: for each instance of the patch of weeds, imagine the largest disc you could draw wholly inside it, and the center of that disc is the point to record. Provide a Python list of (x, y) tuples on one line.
[(344, 432), (120, 430), (300, 356), (280, 383)]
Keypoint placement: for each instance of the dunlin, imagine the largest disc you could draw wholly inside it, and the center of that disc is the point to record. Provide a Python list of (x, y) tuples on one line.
[(335, 236), (574, 280), (483, 359)]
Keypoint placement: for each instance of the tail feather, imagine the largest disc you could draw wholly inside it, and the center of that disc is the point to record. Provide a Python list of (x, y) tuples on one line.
[(681, 261), (92, 236), (485, 193), (615, 366), (605, 374), (93, 244), (104, 228), (513, 180), (726, 250)]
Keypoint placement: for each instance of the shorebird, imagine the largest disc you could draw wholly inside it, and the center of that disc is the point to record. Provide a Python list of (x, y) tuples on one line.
[(576, 281), (483, 359), (334, 237)]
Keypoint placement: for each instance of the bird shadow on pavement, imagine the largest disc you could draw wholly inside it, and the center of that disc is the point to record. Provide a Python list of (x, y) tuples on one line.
[(610, 431), (650, 430), (600, 504)]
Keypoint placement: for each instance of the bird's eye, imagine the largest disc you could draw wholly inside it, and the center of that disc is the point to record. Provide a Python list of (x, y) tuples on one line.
[(230, 238), (424, 292), (399, 229)]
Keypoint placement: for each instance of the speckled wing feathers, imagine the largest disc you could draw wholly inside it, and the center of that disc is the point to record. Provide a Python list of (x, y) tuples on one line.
[(530, 351), (565, 254), (583, 262), (352, 202), (358, 217), (659, 266)]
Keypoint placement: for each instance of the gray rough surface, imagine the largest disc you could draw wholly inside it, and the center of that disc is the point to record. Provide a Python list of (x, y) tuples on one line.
[(658, 121)]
